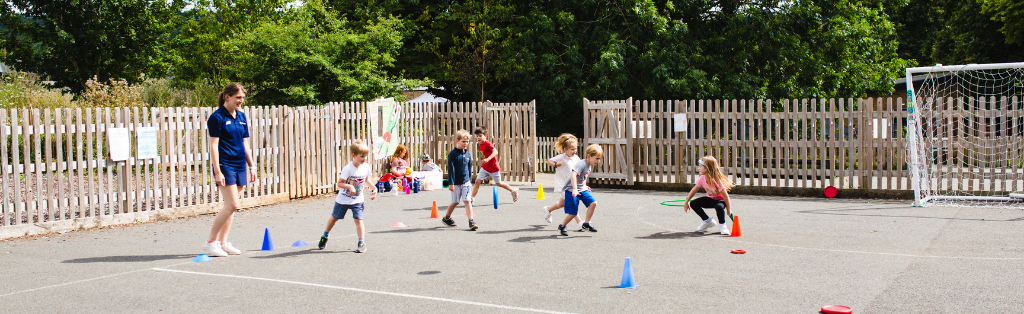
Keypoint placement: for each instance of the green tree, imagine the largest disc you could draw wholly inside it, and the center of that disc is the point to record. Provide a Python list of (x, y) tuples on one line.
[(72, 41), (198, 47), (312, 56), (1011, 14), (956, 32), (474, 56)]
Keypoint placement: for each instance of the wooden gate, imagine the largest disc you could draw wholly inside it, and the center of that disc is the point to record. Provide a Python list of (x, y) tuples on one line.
[(610, 124)]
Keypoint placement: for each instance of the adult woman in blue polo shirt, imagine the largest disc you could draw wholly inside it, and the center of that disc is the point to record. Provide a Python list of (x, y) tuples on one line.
[(230, 155)]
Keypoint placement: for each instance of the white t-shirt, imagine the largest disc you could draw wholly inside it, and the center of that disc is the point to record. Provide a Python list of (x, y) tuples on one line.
[(563, 171), (356, 177)]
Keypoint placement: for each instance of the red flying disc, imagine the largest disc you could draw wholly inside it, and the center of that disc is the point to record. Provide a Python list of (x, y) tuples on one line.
[(836, 309), (738, 251), (831, 191)]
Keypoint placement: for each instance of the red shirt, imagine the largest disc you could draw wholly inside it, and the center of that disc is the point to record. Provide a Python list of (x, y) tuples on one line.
[(487, 148)]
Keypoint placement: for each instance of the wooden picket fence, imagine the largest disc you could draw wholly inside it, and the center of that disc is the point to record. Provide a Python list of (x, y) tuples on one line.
[(812, 143), (56, 171), (546, 150)]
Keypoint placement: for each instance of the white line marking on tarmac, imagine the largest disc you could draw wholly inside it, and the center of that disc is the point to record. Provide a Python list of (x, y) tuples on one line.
[(124, 273), (84, 280), (396, 294), (636, 213)]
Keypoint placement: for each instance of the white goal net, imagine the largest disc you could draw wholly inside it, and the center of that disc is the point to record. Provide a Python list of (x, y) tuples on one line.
[(965, 136)]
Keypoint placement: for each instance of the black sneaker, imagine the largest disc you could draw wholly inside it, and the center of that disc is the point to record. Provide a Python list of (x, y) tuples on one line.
[(472, 225), (561, 229), (589, 227), (449, 221), (361, 247), (323, 243)]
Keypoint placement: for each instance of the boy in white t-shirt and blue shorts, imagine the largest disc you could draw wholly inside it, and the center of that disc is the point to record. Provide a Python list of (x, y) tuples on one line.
[(352, 182)]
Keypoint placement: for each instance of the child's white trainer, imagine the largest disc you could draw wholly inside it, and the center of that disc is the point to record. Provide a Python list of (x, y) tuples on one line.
[(213, 249), (723, 229), (230, 249), (705, 225)]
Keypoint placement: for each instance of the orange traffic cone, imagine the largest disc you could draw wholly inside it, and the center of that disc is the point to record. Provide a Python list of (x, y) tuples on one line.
[(433, 211), (736, 227)]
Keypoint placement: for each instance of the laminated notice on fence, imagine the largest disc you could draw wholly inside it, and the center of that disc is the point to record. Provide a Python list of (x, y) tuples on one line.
[(679, 122), (146, 142), (119, 144)]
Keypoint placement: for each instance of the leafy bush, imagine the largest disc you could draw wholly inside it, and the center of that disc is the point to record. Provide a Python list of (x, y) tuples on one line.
[(163, 92), (20, 90), (116, 93)]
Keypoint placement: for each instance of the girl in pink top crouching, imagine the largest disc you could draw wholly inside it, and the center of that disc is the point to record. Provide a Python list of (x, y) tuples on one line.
[(717, 186)]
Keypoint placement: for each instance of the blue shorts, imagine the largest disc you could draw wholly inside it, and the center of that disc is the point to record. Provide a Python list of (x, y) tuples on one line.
[(233, 177), (572, 203), (339, 211)]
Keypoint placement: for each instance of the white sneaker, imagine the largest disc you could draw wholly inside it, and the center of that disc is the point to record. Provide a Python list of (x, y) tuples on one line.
[(230, 249), (723, 229), (515, 195), (547, 214), (704, 225), (213, 249)]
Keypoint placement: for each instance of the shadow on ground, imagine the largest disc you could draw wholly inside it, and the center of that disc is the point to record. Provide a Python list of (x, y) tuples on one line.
[(301, 252), (664, 235), (553, 236), (128, 258)]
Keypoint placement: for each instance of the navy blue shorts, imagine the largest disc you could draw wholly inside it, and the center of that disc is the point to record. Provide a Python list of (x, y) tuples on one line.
[(339, 211), (232, 177), (572, 203)]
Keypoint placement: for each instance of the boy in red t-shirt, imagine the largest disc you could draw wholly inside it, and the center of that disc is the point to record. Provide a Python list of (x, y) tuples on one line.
[(490, 166)]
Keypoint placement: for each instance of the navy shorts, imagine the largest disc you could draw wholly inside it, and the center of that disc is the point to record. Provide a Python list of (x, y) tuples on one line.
[(572, 203), (232, 177), (339, 211)]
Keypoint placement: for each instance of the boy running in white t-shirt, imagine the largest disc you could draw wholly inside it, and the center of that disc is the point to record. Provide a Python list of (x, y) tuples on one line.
[(352, 181)]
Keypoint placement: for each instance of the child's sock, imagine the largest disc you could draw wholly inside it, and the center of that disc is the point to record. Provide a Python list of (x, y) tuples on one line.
[(560, 226), (360, 239), (327, 234), (586, 223)]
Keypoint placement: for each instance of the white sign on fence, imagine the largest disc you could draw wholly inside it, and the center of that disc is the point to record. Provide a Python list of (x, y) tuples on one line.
[(679, 121), (119, 144), (146, 139)]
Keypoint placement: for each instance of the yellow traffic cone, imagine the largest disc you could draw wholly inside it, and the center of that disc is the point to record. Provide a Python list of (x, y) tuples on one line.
[(540, 191)]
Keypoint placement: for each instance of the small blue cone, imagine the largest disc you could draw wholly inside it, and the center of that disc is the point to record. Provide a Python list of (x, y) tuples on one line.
[(267, 244), (495, 197), (201, 258), (299, 243), (627, 276)]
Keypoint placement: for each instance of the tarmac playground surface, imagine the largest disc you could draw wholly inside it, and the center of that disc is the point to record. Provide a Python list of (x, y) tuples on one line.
[(803, 253)]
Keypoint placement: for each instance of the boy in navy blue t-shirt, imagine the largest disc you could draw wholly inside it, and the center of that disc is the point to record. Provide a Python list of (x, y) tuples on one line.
[(459, 161)]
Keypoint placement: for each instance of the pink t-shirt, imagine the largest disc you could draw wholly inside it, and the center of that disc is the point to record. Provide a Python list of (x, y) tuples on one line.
[(702, 182)]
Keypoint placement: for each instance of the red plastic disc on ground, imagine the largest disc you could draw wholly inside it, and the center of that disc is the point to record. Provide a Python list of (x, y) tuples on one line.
[(836, 309), (738, 251), (831, 191)]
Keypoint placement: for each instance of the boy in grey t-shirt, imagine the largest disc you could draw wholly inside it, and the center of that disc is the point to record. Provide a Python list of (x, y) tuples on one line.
[(576, 189)]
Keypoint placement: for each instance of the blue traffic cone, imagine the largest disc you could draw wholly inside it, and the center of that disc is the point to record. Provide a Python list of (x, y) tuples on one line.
[(299, 243), (627, 276), (267, 244), (201, 258), (495, 197)]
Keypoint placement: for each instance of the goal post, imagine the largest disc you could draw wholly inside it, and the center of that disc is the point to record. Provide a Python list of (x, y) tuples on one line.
[(965, 134)]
